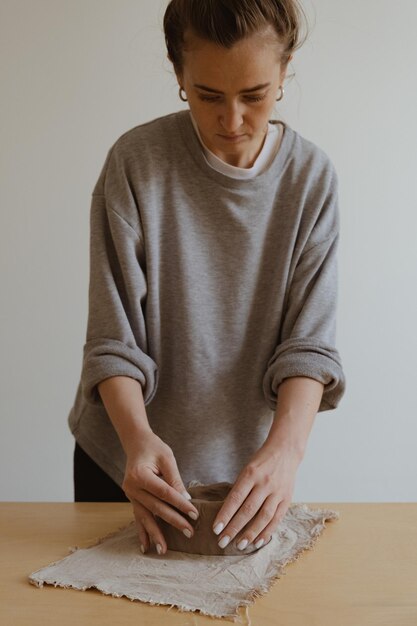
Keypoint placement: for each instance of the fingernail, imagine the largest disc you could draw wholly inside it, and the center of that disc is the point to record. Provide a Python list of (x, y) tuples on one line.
[(159, 548), (218, 528), (187, 532), (224, 541), (193, 515), (259, 543), (142, 548), (242, 544), (186, 495)]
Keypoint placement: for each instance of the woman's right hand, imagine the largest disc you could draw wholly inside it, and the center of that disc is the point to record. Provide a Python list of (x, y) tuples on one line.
[(152, 482)]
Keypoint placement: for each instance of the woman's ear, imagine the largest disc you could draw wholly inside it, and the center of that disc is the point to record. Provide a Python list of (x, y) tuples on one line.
[(180, 78), (284, 69), (178, 74)]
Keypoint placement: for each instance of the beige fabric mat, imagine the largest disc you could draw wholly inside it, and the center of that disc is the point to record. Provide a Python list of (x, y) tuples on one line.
[(214, 585)]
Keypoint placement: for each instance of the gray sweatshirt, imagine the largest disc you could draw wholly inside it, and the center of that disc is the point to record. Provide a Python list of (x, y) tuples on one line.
[(209, 291)]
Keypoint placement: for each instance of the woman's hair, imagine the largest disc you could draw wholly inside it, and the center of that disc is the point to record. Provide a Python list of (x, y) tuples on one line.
[(225, 22)]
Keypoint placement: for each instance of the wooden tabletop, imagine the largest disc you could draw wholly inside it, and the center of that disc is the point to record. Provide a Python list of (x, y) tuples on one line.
[(362, 571)]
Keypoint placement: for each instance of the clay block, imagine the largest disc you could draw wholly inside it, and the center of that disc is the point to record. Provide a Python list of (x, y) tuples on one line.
[(208, 500)]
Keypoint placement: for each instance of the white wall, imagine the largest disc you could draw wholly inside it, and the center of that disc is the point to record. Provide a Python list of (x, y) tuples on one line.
[(74, 76)]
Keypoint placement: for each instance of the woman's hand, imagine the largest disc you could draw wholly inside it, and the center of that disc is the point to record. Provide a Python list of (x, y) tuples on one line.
[(151, 480), (262, 493)]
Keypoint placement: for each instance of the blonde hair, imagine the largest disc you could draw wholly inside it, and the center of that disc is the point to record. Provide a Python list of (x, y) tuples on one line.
[(225, 22)]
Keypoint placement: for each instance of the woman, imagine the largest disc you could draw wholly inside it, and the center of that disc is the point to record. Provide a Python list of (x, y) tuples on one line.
[(213, 282)]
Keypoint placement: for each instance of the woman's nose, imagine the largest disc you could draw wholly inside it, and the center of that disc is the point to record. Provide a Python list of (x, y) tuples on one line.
[(231, 118)]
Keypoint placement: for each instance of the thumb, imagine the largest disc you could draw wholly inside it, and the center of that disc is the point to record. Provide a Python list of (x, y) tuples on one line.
[(172, 476)]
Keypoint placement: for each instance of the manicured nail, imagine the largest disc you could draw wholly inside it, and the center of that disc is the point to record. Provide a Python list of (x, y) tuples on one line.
[(142, 548), (259, 543), (192, 514), (186, 495), (187, 532), (224, 541), (242, 544), (218, 528), (159, 548)]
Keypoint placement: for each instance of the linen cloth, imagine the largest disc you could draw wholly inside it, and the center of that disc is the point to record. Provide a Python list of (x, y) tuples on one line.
[(214, 585)]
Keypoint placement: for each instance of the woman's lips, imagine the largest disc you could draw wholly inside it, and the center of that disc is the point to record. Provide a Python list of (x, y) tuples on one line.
[(232, 138)]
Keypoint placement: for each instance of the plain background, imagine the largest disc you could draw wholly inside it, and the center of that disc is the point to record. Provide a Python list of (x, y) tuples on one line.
[(77, 74)]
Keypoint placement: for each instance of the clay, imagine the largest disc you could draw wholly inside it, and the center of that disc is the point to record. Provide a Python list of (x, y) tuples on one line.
[(208, 500)]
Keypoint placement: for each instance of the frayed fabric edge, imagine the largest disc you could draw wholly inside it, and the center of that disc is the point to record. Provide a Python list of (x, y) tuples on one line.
[(147, 600)]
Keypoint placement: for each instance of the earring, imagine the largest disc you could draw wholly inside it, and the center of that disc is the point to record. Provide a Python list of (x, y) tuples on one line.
[(183, 99), (282, 93)]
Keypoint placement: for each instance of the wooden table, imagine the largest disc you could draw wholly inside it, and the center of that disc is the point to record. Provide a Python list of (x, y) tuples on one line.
[(361, 572)]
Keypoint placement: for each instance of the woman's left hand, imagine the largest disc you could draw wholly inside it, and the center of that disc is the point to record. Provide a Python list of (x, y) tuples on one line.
[(262, 493)]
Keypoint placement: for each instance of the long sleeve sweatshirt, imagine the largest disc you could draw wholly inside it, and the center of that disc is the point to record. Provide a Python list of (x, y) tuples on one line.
[(208, 290)]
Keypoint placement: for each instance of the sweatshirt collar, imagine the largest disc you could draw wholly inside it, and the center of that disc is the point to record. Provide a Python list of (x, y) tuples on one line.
[(270, 175)]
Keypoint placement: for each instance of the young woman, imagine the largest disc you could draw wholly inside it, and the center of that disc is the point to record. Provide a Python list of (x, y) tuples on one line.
[(213, 287)]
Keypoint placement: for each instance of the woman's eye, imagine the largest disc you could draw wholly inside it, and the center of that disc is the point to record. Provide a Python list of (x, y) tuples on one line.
[(255, 98), (248, 98)]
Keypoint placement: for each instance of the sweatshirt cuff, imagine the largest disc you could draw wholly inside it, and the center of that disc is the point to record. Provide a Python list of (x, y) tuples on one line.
[(104, 358), (306, 357)]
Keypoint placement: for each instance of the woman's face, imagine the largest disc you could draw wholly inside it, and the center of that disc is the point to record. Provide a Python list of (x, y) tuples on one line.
[(231, 92)]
